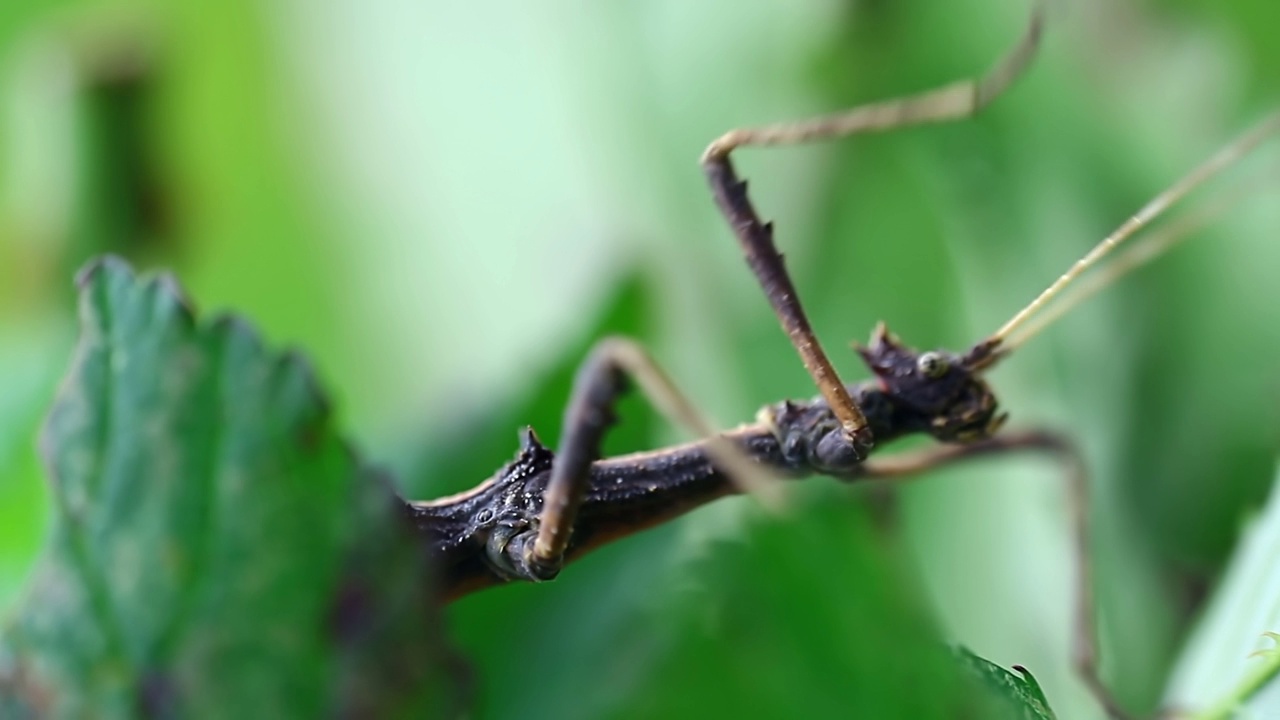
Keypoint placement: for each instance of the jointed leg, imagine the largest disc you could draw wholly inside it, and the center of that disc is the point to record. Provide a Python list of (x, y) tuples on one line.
[(598, 384), (1084, 633), (952, 102)]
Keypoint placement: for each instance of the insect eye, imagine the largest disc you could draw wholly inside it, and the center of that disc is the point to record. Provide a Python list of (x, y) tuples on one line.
[(933, 365)]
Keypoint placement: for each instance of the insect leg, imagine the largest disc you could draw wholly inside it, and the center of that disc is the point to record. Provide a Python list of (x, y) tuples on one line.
[(599, 382), (1085, 653), (951, 102)]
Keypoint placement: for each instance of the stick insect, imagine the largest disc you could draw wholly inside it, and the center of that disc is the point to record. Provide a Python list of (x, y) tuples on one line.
[(544, 509)]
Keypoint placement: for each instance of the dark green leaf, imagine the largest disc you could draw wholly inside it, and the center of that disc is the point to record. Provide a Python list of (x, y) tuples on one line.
[(216, 548), (1019, 690)]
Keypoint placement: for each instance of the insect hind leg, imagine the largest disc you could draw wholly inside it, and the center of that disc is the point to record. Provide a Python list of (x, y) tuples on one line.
[(600, 381), (1084, 640)]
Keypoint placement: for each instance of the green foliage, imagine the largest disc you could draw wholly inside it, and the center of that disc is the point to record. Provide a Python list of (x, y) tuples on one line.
[(1231, 661), (442, 227), (217, 548)]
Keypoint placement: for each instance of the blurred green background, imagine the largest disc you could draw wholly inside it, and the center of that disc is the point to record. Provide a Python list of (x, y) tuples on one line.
[(443, 204)]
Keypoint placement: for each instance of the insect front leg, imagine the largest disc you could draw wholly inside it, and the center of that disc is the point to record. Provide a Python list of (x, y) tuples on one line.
[(1085, 652), (955, 101), (538, 553)]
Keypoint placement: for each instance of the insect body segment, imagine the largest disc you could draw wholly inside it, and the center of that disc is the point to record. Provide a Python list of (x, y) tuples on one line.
[(937, 391), (473, 531), (488, 535), (932, 392)]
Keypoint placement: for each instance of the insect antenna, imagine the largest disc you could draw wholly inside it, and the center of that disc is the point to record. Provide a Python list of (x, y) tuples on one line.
[(1142, 251), (1018, 330)]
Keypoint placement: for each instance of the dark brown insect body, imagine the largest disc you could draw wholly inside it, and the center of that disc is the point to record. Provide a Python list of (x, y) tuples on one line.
[(475, 535)]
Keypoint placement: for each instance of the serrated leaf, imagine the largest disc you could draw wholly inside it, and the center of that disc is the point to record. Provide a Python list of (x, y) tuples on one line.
[(1018, 689), (216, 547)]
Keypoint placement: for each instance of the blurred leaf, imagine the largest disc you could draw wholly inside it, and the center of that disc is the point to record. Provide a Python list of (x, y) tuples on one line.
[(1232, 655), (821, 606), (122, 203), (217, 547), (1026, 699), (31, 357)]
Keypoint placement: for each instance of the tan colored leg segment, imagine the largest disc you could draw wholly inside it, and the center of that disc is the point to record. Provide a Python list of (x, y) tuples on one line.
[(599, 382)]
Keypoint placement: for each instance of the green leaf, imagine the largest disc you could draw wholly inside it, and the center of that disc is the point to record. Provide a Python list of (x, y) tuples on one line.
[(216, 547), (1231, 660), (818, 610), (1019, 690)]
